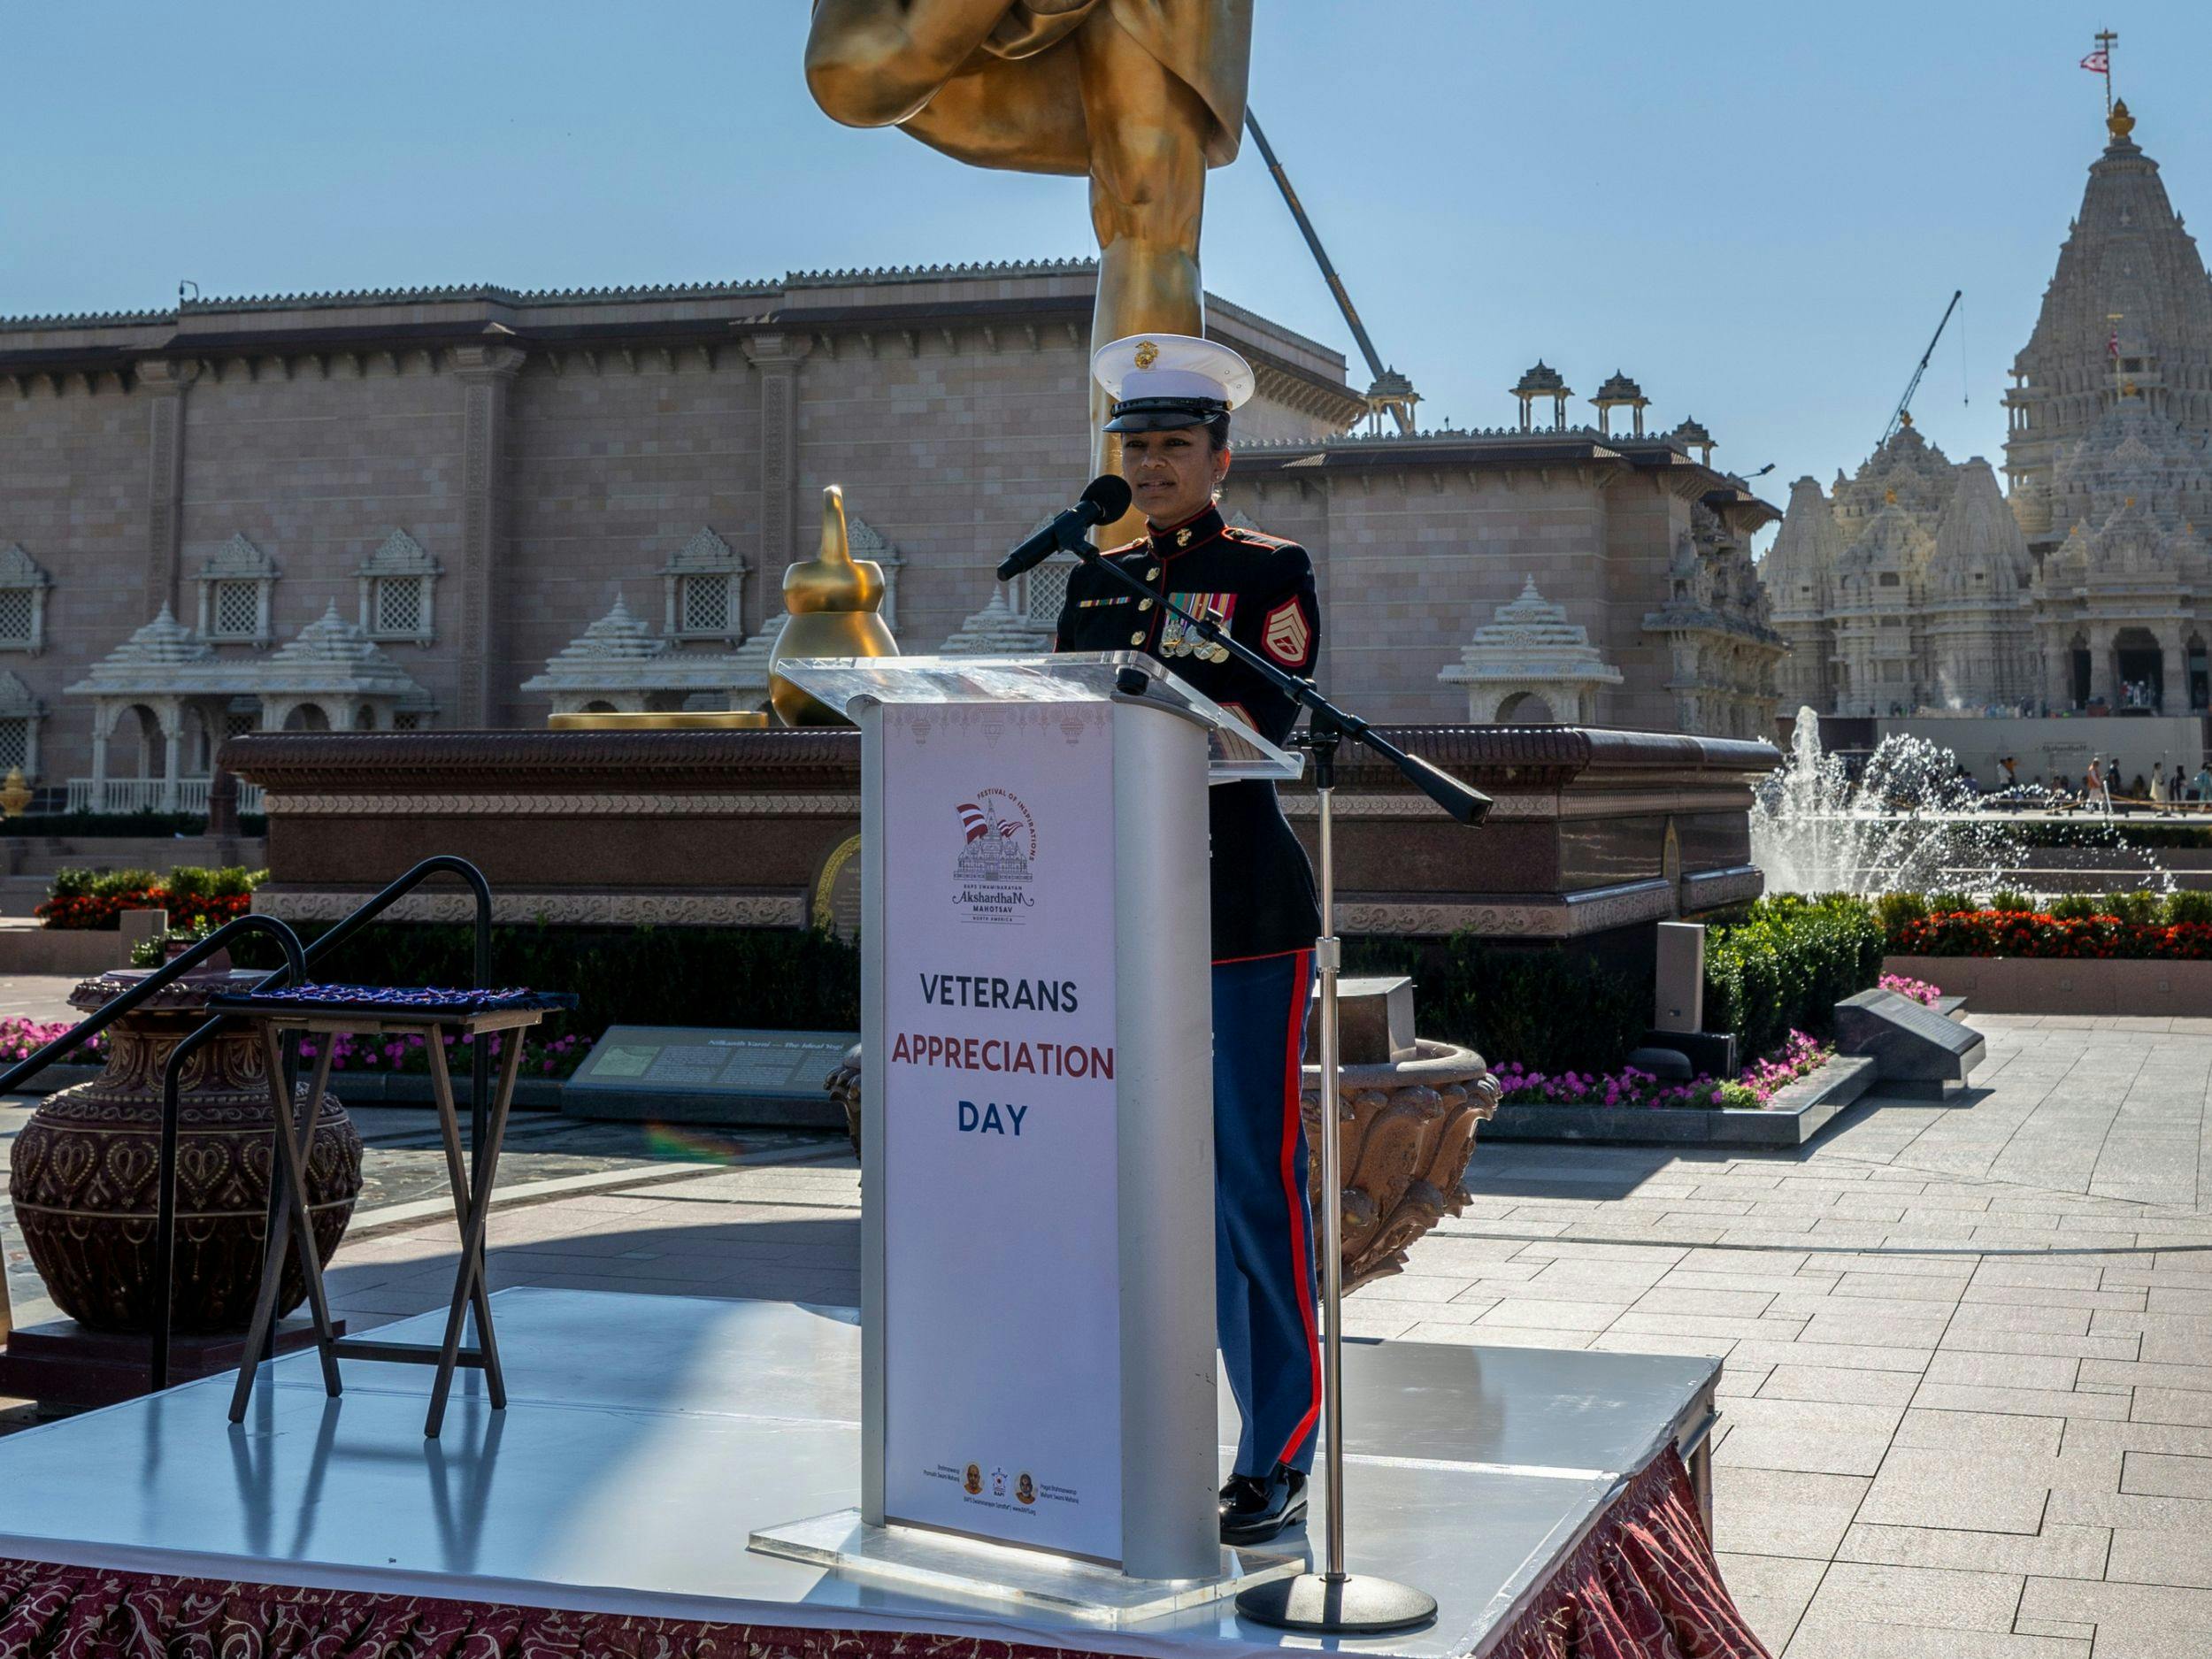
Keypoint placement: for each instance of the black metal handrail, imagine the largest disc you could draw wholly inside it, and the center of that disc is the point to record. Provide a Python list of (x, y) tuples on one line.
[(296, 957)]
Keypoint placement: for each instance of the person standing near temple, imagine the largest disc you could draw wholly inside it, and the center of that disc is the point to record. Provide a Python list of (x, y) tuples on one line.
[(1171, 397)]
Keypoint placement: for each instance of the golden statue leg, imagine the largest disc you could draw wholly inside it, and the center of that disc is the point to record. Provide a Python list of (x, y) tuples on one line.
[(1024, 115), (875, 63), (1147, 171)]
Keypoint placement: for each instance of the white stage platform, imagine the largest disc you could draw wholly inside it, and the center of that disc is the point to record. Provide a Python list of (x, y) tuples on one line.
[(648, 1436)]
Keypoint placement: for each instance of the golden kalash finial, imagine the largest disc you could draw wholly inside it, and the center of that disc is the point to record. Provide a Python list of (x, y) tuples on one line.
[(832, 599), (2119, 123), (15, 793)]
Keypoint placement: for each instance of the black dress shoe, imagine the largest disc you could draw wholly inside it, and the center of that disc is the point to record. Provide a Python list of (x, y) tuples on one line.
[(1257, 1508)]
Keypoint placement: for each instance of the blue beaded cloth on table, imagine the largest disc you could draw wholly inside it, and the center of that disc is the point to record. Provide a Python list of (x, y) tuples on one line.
[(427, 1012)]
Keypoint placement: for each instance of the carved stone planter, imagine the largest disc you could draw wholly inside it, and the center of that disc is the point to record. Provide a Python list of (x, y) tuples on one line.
[(1407, 1129), (82, 1171)]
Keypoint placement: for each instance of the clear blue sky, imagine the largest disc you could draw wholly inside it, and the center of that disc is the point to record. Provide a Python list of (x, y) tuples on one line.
[(1757, 210)]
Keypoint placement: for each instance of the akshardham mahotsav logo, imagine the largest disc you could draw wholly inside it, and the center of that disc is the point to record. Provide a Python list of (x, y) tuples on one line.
[(998, 845)]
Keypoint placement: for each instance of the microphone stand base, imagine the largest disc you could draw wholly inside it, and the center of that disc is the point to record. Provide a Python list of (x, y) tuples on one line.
[(1355, 1604)]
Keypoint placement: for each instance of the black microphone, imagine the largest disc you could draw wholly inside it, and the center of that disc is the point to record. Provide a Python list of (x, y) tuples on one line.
[(1105, 498)]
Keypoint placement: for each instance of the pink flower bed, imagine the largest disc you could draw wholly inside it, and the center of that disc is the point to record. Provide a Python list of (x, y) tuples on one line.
[(19, 1039), (1631, 1088), (1919, 990)]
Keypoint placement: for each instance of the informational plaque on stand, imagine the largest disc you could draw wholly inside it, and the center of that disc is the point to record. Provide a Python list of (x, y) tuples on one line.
[(1037, 1242)]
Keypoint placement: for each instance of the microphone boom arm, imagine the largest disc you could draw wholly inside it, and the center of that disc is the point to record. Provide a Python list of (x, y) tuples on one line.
[(1463, 802)]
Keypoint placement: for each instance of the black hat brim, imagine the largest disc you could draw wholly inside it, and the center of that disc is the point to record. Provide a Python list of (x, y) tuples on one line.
[(1164, 414)]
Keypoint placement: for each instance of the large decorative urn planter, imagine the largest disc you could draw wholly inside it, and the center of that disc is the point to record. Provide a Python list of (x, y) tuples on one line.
[(82, 1172), (1407, 1131)]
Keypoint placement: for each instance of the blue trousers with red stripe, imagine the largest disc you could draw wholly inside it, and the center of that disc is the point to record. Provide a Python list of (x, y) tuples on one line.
[(1263, 1272)]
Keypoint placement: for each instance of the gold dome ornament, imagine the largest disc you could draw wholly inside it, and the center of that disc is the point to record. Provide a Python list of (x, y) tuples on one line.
[(832, 599), (2119, 123), (15, 793)]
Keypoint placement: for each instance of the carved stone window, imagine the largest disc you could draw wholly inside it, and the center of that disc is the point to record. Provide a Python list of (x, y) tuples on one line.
[(23, 587), (20, 714), (398, 587), (1049, 591), (235, 590), (705, 595), (702, 604)]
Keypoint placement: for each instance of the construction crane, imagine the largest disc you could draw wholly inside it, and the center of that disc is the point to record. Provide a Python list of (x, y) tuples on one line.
[(1904, 403), (1391, 390)]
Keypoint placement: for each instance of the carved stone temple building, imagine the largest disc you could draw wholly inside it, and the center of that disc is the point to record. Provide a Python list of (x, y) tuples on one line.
[(474, 507), (1914, 585)]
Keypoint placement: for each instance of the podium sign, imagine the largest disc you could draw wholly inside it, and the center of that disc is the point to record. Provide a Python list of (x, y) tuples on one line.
[(1001, 1281), (1037, 1229)]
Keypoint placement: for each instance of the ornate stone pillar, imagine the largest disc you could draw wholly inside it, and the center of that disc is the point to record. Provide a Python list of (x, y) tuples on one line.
[(164, 382), (777, 357), (103, 716), (172, 744), (2174, 671), (2101, 679), (486, 373)]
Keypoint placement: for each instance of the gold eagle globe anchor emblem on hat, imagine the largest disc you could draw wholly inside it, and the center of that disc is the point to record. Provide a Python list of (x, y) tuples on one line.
[(1162, 382)]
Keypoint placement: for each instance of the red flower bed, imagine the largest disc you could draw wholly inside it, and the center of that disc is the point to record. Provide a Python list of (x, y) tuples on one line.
[(2037, 933), (105, 909)]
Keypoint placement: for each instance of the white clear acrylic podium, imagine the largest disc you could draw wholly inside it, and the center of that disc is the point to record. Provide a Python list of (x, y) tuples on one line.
[(1037, 1229)]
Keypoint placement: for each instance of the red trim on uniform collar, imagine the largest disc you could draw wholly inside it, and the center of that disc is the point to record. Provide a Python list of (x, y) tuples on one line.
[(1203, 526)]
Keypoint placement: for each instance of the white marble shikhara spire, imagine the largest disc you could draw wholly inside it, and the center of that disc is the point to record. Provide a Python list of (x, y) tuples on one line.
[(1917, 583)]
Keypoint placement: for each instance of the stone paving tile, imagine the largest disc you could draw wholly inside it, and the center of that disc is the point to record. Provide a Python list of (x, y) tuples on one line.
[(2172, 1405), (1771, 1592), (1834, 1383), (2147, 1557), (1779, 1512), (2164, 1475), (1984, 1431), (2047, 1402), (2134, 1621), (1928, 1598), (1960, 1490), (2062, 1552), (1808, 1436)]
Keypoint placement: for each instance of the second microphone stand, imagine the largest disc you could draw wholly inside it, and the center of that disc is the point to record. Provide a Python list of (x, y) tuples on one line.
[(1332, 1601)]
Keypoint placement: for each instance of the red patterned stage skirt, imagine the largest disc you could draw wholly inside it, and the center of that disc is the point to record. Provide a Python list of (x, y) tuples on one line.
[(1643, 1585)]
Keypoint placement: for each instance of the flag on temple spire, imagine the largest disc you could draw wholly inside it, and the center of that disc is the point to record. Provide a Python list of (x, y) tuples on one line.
[(2099, 62)]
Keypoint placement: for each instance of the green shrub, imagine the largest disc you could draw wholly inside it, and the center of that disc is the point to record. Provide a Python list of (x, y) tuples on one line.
[(1894, 910), (1951, 900), (1548, 1009), (2186, 905), (2138, 906), (770, 978), (100, 884), (1787, 965), (2076, 907), (2013, 902)]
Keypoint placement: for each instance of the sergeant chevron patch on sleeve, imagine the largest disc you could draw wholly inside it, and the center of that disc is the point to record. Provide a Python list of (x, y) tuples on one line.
[(1286, 635)]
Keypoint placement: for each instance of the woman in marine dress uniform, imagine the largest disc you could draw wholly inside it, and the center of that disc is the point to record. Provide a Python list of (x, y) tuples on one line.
[(1171, 395)]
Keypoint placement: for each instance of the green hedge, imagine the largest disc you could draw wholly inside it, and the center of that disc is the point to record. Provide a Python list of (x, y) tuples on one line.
[(771, 979), (1786, 965), (1547, 1008)]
